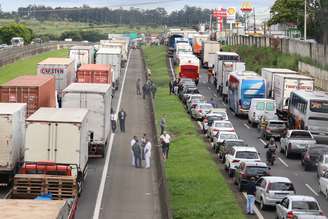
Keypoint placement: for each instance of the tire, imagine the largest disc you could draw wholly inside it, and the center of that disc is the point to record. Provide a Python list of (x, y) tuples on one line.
[(262, 205)]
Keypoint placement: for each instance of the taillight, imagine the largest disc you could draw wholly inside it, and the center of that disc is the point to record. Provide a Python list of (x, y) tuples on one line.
[(307, 156), (235, 161), (268, 188), (290, 214), (242, 175)]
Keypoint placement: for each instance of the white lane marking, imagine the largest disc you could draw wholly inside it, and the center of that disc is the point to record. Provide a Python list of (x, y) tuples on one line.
[(283, 162), (262, 141), (172, 71), (110, 145), (311, 189), (246, 126), (199, 124), (256, 210)]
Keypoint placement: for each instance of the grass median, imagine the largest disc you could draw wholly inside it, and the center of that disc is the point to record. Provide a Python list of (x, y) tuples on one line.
[(27, 66), (197, 188)]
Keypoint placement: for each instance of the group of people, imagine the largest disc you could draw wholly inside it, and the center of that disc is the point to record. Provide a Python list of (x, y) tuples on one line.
[(149, 88), (121, 118), (175, 86), (141, 150)]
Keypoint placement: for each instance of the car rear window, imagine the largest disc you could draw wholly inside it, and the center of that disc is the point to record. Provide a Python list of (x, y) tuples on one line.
[(255, 170), (281, 186), (223, 125), (277, 124), (300, 134), (228, 136), (235, 143), (305, 205), (246, 155)]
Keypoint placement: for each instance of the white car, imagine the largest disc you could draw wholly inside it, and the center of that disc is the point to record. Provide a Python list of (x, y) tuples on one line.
[(322, 165), (208, 121), (298, 205), (201, 110), (193, 97), (219, 126), (240, 154), (220, 111), (193, 104), (270, 190), (220, 137), (323, 184)]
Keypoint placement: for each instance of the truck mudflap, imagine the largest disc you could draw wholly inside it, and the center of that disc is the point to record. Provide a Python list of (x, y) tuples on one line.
[(97, 150)]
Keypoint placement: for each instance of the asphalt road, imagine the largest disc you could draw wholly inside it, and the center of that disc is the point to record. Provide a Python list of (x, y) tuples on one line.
[(305, 182)]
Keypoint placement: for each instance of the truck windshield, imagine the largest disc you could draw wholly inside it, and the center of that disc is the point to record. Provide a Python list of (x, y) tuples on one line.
[(270, 107), (260, 106)]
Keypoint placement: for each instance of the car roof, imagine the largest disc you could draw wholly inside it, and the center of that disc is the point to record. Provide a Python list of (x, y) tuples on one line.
[(222, 121), (218, 110), (243, 148), (301, 198), (203, 104), (235, 140), (277, 179), (252, 163), (220, 133)]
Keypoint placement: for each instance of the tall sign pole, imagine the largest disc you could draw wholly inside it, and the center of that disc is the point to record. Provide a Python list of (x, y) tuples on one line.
[(246, 8), (305, 20)]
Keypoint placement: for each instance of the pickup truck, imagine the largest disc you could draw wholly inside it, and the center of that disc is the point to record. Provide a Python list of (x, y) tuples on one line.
[(296, 141)]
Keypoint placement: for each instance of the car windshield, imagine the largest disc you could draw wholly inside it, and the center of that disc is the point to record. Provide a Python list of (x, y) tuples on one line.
[(246, 155), (281, 186), (235, 143), (255, 170), (301, 134), (228, 136), (260, 106), (305, 205), (223, 125), (205, 106), (270, 106), (277, 125)]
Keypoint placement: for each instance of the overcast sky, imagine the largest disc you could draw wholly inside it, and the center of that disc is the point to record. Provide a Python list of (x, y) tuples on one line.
[(262, 6)]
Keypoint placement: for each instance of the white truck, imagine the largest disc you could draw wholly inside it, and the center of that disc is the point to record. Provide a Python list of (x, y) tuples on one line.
[(82, 55), (113, 57), (12, 139), (284, 84), (209, 47), (222, 77), (17, 41), (97, 99), (269, 73), (60, 137)]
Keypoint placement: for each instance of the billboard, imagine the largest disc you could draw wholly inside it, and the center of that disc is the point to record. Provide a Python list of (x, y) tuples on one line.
[(231, 15)]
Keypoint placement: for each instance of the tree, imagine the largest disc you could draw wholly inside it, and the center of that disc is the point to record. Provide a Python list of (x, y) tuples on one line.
[(286, 11), (321, 19), (9, 31)]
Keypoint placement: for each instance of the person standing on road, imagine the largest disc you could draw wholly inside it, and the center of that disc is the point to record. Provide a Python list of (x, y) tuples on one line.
[(147, 152), (112, 120), (137, 154), (251, 192), (212, 102), (113, 90), (143, 144), (162, 124), (165, 140), (138, 86), (133, 141), (122, 116), (145, 90)]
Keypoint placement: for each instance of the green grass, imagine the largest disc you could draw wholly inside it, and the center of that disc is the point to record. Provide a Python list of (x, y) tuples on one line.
[(197, 188), (56, 28), (27, 66)]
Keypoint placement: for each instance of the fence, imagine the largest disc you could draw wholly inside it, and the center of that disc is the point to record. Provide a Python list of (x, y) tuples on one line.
[(321, 76), (10, 55), (317, 52)]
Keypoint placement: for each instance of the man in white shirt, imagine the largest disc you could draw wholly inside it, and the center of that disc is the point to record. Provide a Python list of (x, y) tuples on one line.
[(147, 152), (133, 141), (165, 140)]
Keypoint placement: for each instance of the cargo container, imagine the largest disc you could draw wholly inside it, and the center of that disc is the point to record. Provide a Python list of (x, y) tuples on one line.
[(111, 56), (284, 84), (110, 45), (12, 139), (94, 73), (97, 99), (82, 55), (269, 73), (209, 47), (125, 46), (35, 91), (63, 69), (27, 208), (189, 67)]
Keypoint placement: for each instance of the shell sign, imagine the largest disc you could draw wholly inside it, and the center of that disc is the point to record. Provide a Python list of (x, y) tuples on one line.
[(231, 15)]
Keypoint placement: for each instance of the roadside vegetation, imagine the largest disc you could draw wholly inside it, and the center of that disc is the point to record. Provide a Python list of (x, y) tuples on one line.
[(27, 66), (197, 188)]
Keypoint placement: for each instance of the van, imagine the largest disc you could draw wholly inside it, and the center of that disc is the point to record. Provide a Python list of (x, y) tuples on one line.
[(260, 107)]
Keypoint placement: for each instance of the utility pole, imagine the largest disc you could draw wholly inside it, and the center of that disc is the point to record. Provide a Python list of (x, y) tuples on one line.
[(304, 19), (254, 21)]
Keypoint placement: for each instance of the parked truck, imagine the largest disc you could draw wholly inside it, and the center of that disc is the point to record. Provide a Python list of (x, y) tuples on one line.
[(12, 139), (197, 43), (97, 99), (82, 55), (269, 73), (189, 67), (94, 73), (56, 150), (284, 84), (113, 57), (209, 47)]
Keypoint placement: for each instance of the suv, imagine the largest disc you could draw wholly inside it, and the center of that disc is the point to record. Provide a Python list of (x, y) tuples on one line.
[(239, 154), (270, 190), (273, 128), (247, 170), (227, 145)]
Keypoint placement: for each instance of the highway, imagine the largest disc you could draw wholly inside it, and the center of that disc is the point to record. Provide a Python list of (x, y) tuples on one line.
[(305, 182)]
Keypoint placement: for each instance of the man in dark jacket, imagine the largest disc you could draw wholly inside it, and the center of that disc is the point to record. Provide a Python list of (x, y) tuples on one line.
[(122, 116), (251, 192), (136, 149)]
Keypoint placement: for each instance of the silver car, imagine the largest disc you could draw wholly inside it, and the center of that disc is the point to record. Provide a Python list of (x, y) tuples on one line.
[(193, 97), (270, 190), (201, 110), (296, 141), (322, 165), (297, 205)]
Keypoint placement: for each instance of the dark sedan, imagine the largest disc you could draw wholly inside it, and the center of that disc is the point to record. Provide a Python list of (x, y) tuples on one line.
[(273, 128), (310, 157)]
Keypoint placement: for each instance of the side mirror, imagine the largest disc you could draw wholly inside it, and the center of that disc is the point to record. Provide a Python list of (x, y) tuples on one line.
[(258, 153)]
